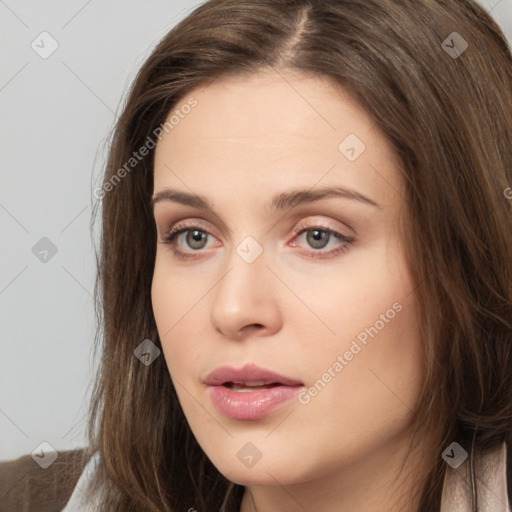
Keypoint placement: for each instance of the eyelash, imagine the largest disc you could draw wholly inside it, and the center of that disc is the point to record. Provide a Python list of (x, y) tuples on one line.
[(170, 239)]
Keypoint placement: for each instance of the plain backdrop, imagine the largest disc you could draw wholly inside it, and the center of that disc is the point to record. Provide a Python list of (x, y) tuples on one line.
[(65, 68)]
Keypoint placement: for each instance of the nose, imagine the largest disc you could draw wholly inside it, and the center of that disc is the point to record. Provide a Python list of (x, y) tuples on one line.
[(245, 303)]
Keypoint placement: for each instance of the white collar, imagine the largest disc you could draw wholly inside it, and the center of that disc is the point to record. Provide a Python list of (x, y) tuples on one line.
[(81, 499)]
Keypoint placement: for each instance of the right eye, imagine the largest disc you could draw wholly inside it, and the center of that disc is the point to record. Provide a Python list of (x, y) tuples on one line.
[(186, 240)]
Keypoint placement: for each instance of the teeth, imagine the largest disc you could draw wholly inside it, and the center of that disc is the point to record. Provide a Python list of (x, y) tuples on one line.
[(247, 387)]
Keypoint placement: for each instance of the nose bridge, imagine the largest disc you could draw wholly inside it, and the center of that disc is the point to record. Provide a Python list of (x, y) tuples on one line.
[(243, 283)]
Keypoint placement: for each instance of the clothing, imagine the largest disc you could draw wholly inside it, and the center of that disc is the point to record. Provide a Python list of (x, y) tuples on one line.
[(491, 483), (81, 499), (25, 486), (490, 472)]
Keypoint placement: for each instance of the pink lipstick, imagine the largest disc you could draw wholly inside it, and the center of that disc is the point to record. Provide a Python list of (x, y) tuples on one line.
[(251, 392)]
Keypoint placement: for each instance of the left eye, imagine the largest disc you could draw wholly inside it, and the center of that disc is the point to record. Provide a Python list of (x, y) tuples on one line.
[(317, 238)]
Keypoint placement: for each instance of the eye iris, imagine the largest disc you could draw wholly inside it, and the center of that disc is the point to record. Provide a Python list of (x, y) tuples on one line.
[(196, 239), (317, 238)]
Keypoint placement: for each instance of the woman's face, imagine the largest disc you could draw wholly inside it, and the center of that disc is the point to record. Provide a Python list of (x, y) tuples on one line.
[(286, 200)]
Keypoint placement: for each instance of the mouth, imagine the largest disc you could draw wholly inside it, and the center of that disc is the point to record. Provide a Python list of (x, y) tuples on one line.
[(248, 387), (250, 376), (251, 392)]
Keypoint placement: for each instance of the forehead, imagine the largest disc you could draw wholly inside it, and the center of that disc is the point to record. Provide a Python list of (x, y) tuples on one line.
[(273, 129)]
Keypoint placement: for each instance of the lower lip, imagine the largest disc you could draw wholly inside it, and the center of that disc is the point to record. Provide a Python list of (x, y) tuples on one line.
[(251, 405)]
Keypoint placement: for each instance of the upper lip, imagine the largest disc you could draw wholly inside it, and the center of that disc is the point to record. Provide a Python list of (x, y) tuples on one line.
[(248, 373)]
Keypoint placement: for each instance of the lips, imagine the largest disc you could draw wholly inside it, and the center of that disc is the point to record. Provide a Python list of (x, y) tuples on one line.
[(251, 392), (250, 373)]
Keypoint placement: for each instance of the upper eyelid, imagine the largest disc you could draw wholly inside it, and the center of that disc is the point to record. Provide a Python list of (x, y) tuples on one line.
[(199, 222), (184, 226)]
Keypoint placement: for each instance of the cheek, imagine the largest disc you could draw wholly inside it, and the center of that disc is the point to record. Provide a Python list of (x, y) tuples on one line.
[(180, 307), (366, 292), (378, 365), (172, 296), (372, 316)]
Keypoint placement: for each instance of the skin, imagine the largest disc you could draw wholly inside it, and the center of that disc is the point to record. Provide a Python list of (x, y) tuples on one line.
[(291, 310)]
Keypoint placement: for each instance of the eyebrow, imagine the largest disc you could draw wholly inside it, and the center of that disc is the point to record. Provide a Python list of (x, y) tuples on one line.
[(283, 201)]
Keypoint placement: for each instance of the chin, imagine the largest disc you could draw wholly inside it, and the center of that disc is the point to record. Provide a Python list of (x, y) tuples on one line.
[(267, 476), (267, 471)]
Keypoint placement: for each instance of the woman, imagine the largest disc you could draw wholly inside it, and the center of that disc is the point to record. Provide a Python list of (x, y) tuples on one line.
[(305, 272)]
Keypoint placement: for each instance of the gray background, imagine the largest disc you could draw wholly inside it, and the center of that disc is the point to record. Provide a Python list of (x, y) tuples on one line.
[(56, 114)]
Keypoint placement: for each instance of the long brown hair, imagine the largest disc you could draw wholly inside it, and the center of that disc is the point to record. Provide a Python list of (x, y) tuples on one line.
[(445, 108)]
